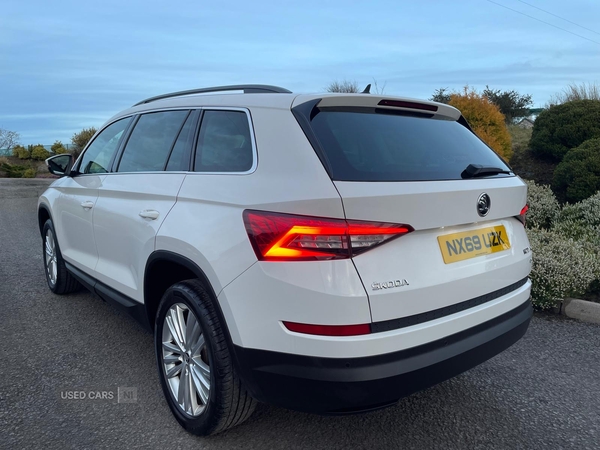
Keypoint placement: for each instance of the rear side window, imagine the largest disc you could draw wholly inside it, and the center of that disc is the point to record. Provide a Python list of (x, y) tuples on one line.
[(373, 146), (98, 155), (180, 155), (151, 141), (224, 142)]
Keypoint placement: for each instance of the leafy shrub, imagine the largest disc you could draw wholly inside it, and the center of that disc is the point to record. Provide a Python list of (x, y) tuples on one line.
[(586, 211), (39, 153), (13, 170), (21, 152), (563, 127), (81, 139), (543, 206), (485, 119), (58, 148), (562, 267), (578, 175), (29, 173)]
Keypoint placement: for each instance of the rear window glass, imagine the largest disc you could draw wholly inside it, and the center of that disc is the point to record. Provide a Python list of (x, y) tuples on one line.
[(365, 146)]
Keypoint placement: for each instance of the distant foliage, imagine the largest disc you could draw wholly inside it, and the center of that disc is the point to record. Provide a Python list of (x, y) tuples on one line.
[(563, 127), (30, 173), (80, 140), (574, 91), (511, 104), (577, 177), (543, 206), (8, 139), (13, 170), (345, 86), (39, 153), (58, 148), (21, 152), (441, 95), (485, 119)]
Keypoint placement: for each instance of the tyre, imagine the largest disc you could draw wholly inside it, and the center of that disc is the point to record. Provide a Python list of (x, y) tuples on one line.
[(194, 363), (59, 279)]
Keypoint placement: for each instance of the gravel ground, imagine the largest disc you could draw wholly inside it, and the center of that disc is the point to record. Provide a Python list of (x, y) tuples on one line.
[(544, 392)]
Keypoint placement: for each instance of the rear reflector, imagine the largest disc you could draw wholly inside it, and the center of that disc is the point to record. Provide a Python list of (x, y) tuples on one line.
[(286, 237), (522, 214), (411, 105), (329, 330)]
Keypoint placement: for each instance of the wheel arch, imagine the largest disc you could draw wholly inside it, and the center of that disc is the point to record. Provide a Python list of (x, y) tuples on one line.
[(165, 268), (43, 215)]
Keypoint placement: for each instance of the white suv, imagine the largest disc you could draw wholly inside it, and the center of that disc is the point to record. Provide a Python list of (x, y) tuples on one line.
[(326, 253)]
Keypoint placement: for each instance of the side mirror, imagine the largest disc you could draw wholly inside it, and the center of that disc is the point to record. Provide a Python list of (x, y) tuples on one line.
[(60, 164)]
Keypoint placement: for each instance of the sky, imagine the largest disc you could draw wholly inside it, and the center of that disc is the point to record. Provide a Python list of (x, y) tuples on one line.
[(66, 65)]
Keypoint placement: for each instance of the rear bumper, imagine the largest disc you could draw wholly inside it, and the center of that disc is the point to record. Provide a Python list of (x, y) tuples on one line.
[(346, 385)]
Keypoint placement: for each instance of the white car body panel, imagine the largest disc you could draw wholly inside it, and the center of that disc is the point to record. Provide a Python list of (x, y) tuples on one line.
[(206, 224), (125, 240), (259, 321), (73, 222)]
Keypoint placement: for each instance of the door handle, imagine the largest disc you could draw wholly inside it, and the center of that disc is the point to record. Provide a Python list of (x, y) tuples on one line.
[(149, 214), (87, 205)]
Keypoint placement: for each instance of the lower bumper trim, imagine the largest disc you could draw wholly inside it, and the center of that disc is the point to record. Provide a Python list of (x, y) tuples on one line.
[(348, 385)]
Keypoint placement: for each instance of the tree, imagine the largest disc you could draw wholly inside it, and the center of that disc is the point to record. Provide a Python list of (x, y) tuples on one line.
[(81, 139), (485, 119), (8, 139), (511, 103), (441, 95), (58, 148), (577, 177), (563, 127), (345, 86)]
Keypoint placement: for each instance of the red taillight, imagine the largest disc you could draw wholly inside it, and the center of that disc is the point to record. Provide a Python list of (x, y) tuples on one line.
[(522, 214), (329, 330), (286, 237)]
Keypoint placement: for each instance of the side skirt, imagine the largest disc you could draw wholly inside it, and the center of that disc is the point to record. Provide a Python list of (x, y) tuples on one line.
[(109, 295)]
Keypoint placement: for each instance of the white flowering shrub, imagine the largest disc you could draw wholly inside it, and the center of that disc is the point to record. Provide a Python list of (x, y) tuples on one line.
[(586, 211), (543, 206), (562, 267)]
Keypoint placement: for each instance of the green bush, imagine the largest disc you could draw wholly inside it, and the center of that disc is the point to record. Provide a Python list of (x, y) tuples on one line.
[(39, 153), (13, 170), (543, 206), (58, 148), (578, 175), (21, 152), (562, 267), (563, 127), (29, 173)]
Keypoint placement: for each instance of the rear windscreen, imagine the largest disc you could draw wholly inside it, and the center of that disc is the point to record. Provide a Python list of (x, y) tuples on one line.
[(371, 146)]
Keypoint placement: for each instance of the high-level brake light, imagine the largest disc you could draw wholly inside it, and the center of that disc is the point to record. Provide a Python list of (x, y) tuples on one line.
[(287, 237)]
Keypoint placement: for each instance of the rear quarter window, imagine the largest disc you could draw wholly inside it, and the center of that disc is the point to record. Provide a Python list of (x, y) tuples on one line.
[(373, 146)]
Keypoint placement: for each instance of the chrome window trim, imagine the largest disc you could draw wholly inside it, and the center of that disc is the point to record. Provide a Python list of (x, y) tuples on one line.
[(252, 139), (190, 172)]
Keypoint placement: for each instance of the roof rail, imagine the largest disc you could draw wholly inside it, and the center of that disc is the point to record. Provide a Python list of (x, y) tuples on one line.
[(247, 88)]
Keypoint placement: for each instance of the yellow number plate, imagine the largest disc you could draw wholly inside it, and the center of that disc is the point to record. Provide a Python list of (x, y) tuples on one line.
[(470, 244)]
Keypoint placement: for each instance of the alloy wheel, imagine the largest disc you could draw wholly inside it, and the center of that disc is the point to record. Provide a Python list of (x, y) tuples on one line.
[(185, 359)]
